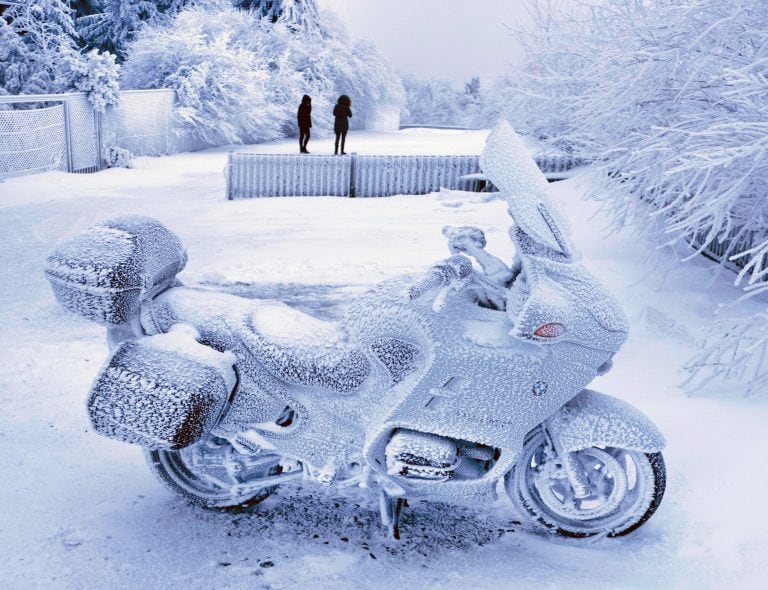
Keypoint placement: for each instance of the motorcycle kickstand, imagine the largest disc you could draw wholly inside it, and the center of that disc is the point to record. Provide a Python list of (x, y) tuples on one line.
[(391, 507)]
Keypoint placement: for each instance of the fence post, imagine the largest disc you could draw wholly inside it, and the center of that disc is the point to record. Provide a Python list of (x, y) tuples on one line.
[(352, 187), (228, 176), (68, 136), (97, 124)]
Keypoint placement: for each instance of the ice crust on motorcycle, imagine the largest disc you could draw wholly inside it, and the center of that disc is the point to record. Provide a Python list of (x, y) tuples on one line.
[(162, 392), (508, 163), (430, 387)]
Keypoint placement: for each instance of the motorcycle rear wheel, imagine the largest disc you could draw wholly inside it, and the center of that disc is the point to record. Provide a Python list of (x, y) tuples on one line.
[(626, 488), (211, 474)]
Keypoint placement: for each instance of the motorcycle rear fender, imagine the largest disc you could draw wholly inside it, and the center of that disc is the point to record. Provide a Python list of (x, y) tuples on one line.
[(595, 419)]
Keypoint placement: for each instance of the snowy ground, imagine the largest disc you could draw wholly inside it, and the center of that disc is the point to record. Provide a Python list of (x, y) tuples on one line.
[(82, 511)]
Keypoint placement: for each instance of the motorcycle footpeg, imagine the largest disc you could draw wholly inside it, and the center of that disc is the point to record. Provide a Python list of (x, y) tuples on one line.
[(105, 272), (161, 392)]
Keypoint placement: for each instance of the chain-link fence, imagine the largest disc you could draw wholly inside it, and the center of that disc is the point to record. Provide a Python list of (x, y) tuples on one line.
[(143, 123), (33, 141), (70, 135), (83, 125)]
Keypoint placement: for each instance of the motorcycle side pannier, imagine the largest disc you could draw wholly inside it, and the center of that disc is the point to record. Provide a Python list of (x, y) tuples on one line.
[(104, 273), (160, 398)]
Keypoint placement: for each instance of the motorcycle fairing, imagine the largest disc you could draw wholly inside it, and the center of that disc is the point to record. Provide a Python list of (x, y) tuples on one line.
[(493, 396)]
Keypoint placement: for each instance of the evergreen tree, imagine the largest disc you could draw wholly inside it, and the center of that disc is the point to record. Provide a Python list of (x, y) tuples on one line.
[(14, 56), (297, 15), (472, 88), (110, 25)]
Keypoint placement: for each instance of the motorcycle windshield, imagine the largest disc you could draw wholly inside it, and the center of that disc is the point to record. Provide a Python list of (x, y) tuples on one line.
[(508, 164)]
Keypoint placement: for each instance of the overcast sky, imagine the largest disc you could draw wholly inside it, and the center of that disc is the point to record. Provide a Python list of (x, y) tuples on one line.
[(449, 39)]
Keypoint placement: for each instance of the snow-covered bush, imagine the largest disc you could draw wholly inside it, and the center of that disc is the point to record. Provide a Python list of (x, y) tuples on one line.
[(672, 98), (98, 75), (116, 157), (239, 77), (217, 64)]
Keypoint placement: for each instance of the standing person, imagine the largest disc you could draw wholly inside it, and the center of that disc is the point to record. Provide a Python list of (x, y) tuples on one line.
[(342, 112), (304, 117)]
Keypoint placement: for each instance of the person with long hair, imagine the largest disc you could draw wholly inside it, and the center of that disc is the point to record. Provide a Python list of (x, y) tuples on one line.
[(342, 114), (304, 117)]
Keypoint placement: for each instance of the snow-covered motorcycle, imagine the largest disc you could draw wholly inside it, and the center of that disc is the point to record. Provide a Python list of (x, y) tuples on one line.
[(437, 388)]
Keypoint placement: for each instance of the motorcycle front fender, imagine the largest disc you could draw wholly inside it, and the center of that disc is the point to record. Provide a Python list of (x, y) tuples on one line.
[(595, 419)]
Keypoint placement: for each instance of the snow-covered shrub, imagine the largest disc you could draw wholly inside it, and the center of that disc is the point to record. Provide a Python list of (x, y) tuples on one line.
[(733, 353), (116, 157), (217, 65), (98, 75), (672, 98), (239, 77)]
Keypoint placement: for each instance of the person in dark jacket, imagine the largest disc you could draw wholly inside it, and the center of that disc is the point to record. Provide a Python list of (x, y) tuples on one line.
[(342, 113), (304, 117)]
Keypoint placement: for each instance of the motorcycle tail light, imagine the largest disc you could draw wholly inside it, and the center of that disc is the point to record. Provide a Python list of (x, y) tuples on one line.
[(551, 330)]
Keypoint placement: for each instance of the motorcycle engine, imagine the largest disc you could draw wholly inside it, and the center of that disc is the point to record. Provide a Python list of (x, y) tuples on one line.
[(420, 455)]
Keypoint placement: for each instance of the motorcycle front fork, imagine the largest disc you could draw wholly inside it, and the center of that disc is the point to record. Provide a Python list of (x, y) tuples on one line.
[(574, 472)]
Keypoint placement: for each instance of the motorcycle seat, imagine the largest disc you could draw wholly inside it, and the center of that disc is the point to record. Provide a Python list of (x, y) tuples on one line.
[(301, 349)]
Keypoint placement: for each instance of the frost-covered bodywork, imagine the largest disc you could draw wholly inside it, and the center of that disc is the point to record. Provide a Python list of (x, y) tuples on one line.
[(436, 387)]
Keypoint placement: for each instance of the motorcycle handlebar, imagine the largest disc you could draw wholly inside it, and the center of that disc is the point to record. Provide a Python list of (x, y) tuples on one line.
[(456, 267)]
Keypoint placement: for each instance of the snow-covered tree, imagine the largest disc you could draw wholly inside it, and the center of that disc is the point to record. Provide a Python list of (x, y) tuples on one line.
[(430, 102), (14, 60), (671, 98), (297, 15), (109, 25), (437, 102), (37, 42)]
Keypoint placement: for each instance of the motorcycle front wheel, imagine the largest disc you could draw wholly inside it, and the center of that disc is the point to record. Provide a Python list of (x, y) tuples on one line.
[(625, 489), (212, 474)]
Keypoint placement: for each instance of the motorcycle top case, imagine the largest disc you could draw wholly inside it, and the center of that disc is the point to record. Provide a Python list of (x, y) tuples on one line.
[(104, 272), (158, 397)]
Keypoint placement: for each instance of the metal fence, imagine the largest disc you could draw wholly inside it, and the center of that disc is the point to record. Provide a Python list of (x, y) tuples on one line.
[(272, 175), (143, 123), (383, 176), (282, 175), (721, 249), (31, 139)]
